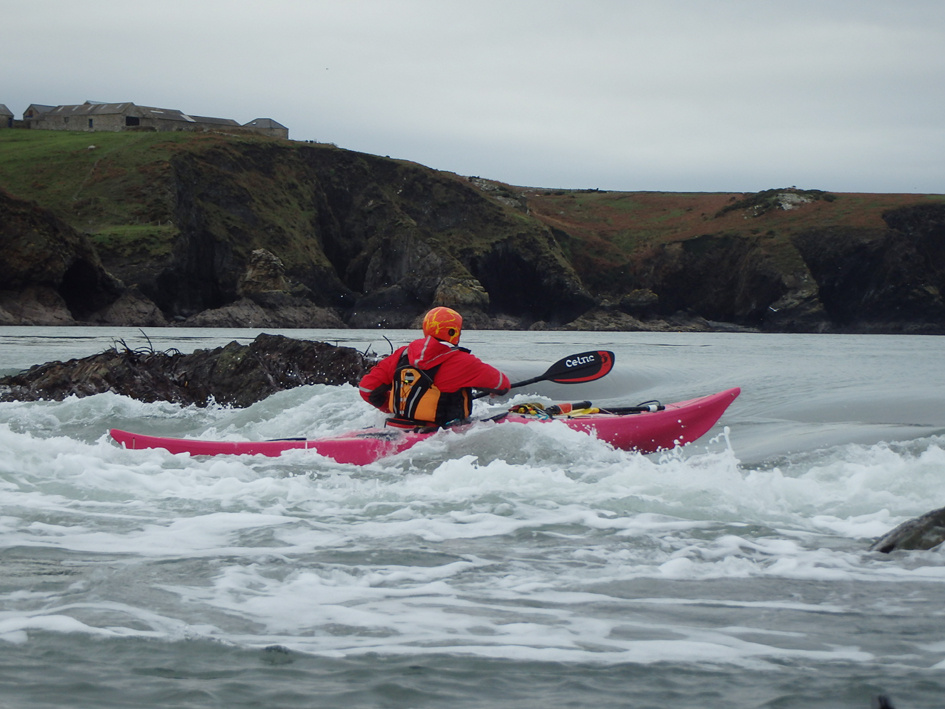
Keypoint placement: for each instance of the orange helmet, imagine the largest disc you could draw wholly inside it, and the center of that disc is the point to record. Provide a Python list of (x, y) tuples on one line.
[(443, 324)]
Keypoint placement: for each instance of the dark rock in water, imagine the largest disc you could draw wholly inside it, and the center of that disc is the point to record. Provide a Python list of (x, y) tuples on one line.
[(270, 309), (236, 375), (923, 532), (131, 308), (881, 701), (609, 319), (276, 655)]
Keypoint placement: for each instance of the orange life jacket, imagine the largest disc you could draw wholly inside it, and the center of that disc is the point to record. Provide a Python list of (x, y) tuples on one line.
[(416, 401)]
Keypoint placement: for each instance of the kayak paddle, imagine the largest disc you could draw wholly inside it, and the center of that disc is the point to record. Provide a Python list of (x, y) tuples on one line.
[(573, 369)]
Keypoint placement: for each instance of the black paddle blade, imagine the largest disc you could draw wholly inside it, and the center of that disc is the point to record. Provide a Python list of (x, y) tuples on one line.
[(584, 367)]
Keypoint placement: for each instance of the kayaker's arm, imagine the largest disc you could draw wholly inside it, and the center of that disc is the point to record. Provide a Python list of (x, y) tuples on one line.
[(378, 397), (375, 386), (465, 370)]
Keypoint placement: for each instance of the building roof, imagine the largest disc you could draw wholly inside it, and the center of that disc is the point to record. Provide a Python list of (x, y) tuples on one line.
[(215, 121), (4, 111), (264, 123), (40, 108), (90, 109), (164, 114), (94, 108)]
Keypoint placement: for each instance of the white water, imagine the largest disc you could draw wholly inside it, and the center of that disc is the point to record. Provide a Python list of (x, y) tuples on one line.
[(508, 565)]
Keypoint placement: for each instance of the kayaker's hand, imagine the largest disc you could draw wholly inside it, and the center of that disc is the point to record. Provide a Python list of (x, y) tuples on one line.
[(378, 398)]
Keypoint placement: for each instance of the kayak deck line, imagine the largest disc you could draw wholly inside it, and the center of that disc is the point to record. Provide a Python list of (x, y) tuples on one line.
[(677, 424)]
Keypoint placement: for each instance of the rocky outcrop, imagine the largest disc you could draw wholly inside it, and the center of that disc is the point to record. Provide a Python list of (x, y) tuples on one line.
[(882, 280), (273, 309), (612, 319), (131, 308), (235, 375), (733, 278), (49, 273), (832, 279), (266, 302), (378, 240), (34, 305), (641, 303), (925, 532), (462, 294), (265, 273)]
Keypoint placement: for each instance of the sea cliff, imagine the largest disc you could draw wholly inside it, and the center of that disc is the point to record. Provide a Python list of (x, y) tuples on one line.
[(150, 229)]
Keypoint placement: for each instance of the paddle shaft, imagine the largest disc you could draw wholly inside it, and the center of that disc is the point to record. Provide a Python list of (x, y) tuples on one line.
[(514, 385), (573, 369)]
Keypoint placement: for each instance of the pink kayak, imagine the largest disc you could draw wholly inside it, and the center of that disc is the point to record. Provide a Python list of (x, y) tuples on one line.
[(646, 432)]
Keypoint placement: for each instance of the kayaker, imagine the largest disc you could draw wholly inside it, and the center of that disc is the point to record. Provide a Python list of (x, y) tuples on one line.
[(430, 381)]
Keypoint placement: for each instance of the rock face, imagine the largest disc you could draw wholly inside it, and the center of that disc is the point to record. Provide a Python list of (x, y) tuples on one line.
[(220, 230), (274, 233), (925, 532), (131, 308), (49, 273), (883, 280), (236, 375), (378, 240), (835, 279), (265, 273), (720, 277)]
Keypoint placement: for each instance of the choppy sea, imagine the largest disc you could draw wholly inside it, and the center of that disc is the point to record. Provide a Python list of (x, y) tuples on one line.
[(518, 566)]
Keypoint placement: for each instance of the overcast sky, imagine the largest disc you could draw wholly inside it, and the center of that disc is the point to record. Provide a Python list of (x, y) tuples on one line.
[(673, 95)]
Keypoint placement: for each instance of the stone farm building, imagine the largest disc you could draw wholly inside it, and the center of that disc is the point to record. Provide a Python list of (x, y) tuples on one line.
[(93, 116), (6, 117)]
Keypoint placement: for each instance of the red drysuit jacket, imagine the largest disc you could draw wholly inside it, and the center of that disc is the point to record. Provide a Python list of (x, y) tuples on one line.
[(459, 369)]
